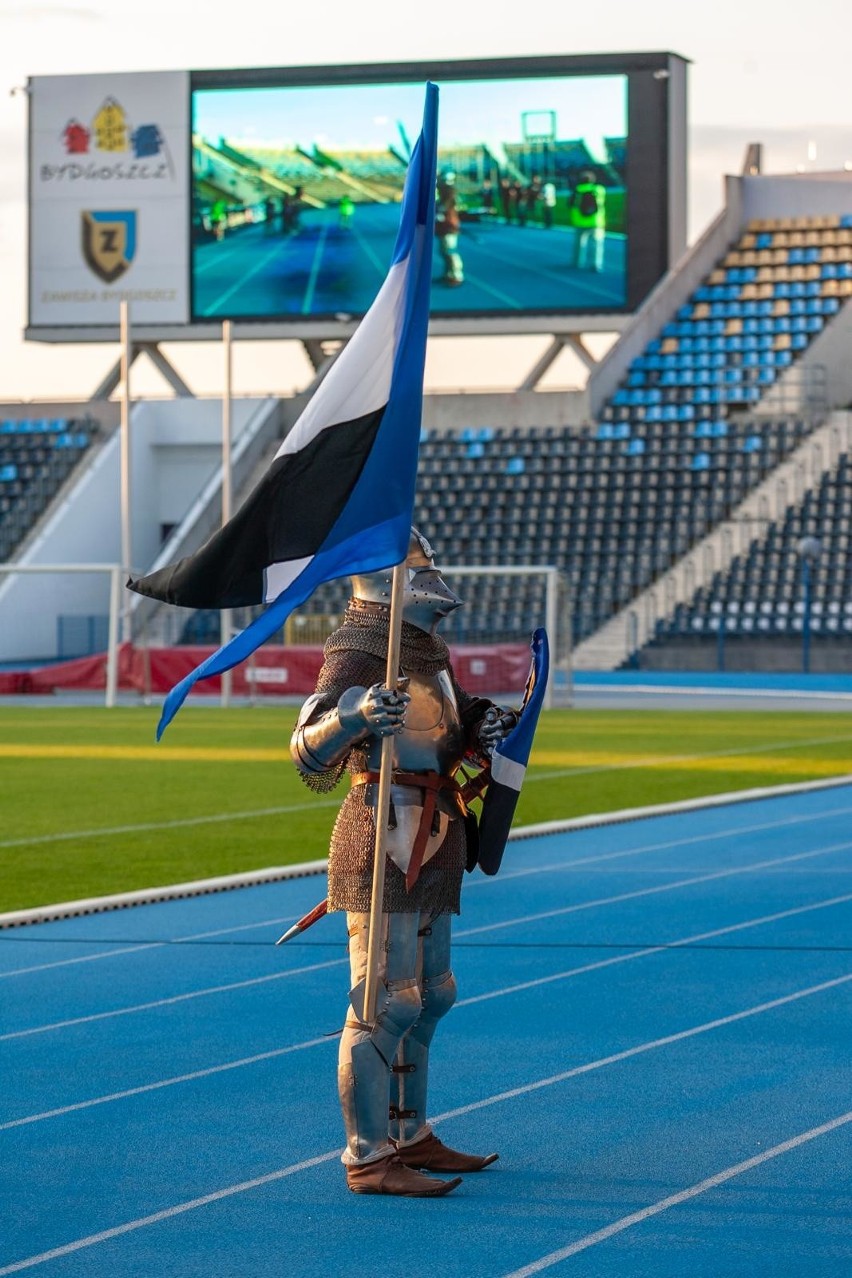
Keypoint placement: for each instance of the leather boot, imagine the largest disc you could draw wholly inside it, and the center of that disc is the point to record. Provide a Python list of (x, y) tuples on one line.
[(390, 1176), (431, 1154)]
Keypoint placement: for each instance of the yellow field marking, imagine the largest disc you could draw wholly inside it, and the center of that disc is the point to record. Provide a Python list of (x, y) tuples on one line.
[(157, 753), (694, 763), (743, 763)]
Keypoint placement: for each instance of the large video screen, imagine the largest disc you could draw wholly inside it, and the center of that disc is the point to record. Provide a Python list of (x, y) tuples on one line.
[(296, 191)]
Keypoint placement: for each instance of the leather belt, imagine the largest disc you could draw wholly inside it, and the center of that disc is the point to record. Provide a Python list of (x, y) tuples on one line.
[(431, 783)]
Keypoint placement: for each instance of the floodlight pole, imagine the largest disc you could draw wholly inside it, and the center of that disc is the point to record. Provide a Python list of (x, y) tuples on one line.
[(226, 618), (806, 616), (810, 550), (124, 464)]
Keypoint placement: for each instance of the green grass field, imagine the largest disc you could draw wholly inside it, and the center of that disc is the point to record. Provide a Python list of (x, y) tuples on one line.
[(91, 805)]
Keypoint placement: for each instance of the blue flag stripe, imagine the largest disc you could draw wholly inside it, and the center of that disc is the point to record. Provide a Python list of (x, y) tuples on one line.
[(518, 744)]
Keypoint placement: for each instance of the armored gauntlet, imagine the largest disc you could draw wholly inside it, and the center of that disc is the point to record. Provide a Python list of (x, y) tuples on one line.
[(321, 742)]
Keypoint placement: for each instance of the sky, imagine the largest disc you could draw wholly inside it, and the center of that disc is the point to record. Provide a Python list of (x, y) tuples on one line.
[(350, 117), (759, 72)]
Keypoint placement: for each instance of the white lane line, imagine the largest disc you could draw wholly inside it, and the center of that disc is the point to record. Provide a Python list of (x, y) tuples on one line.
[(370, 254), (674, 1200), (775, 694), (481, 881), (466, 1002), (651, 891), (147, 826), (220, 301), (316, 263), (631, 955), (688, 841), (168, 1213), (471, 931), (92, 1240), (641, 1048), (169, 1082), (169, 1002), (147, 945)]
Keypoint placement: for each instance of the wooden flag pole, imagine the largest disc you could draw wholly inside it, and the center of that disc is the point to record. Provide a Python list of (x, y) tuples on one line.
[(374, 944)]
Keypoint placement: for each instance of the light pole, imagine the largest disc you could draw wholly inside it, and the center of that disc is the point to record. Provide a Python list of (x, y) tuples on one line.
[(810, 549)]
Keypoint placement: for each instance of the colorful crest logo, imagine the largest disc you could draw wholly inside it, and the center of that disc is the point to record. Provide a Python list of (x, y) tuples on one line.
[(109, 242), (111, 130)]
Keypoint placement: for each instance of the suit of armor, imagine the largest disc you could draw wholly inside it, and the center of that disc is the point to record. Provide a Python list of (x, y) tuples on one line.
[(383, 1067)]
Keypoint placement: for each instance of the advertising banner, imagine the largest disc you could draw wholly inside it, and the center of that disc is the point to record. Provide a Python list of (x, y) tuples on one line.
[(109, 198)]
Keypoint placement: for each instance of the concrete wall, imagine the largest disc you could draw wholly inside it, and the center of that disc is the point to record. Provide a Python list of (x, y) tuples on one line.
[(458, 411), (769, 656), (796, 195)]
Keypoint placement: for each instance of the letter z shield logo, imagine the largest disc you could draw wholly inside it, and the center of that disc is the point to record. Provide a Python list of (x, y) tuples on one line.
[(109, 242)]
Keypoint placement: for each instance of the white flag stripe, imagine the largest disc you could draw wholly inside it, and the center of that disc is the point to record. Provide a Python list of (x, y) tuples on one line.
[(278, 577), (362, 374), (506, 771)]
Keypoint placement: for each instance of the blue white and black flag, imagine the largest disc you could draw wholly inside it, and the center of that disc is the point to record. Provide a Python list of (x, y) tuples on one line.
[(338, 498), (509, 762)]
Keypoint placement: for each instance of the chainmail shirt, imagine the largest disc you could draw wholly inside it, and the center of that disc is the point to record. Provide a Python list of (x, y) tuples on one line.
[(356, 655)]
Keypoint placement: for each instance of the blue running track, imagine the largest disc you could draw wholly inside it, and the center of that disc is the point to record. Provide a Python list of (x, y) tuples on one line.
[(653, 1029)]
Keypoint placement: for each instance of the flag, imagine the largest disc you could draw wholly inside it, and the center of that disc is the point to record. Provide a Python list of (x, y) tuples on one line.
[(509, 763), (338, 498)]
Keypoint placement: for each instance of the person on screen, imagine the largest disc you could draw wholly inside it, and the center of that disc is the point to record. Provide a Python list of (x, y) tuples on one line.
[(219, 219), (532, 199), (506, 198), (548, 204), (516, 201), (587, 214), (345, 211), (447, 227)]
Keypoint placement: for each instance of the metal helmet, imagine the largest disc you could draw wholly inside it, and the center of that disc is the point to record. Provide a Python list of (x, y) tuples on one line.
[(426, 599)]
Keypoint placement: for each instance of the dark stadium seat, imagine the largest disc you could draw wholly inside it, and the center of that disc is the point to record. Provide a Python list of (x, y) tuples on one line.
[(762, 590), (36, 456), (680, 443)]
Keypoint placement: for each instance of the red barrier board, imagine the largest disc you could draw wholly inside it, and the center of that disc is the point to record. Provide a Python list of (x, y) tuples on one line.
[(481, 669)]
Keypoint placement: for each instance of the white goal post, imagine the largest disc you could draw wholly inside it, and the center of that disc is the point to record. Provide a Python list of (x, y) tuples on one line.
[(114, 572), (556, 620)]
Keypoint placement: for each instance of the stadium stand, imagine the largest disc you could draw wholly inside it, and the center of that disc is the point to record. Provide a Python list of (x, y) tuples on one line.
[(693, 422), (676, 449), (767, 591), (36, 457)]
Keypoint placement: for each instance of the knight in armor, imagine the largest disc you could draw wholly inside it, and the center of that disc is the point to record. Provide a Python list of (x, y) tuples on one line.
[(383, 1067)]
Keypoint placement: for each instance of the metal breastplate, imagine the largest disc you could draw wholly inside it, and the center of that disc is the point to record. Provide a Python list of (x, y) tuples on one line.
[(432, 741), (433, 738)]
